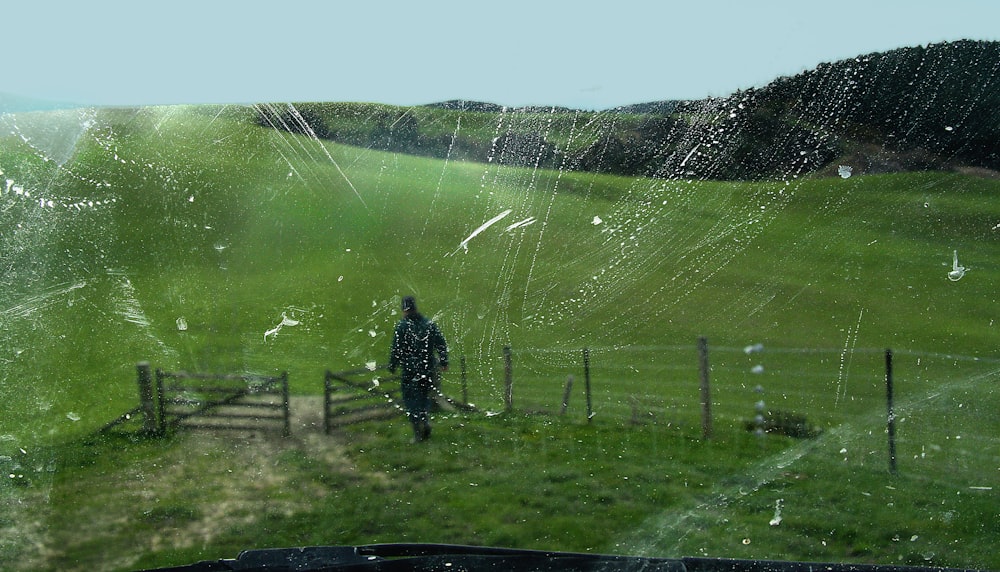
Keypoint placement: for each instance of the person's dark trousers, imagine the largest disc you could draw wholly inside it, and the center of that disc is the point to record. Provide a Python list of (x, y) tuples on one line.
[(417, 400)]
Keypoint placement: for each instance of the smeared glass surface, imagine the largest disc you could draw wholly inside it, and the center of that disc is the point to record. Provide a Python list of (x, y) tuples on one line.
[(281, 237)]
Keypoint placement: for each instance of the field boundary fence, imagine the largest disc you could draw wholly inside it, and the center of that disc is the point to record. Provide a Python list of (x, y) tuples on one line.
[(223, 402), (210, 401), (894, 398), (894, 401), (171, 400), (349, 399), (348, 395)]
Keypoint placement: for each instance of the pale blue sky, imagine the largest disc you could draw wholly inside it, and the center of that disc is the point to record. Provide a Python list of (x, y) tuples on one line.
[(585, 54)]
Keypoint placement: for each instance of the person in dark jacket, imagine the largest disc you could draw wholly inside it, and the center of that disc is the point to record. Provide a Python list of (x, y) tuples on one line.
[(414, 345)]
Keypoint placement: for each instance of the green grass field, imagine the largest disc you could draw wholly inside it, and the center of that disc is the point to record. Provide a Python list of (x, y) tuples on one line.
[(197, 215)]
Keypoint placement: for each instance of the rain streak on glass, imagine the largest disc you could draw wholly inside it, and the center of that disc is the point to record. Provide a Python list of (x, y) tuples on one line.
[(607, 281)]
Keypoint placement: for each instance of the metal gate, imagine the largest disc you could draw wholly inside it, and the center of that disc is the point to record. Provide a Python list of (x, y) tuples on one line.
[(231, 402), (347, 399)]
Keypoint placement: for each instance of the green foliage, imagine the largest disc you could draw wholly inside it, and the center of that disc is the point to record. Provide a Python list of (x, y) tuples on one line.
[(941, 99)]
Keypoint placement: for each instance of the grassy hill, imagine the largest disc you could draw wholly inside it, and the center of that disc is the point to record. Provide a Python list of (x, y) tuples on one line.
[(909, 109), (230, 230), (201, 215)]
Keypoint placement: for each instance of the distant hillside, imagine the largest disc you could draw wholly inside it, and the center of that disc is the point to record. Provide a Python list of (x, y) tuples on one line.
[(913, 108), (10, 103), (484, 107), (466, 105), (651, 108), (909, 108), (934, 107)]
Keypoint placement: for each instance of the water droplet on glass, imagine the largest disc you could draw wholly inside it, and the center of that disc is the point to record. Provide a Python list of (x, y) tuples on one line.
[(777, 513), (957, 272)]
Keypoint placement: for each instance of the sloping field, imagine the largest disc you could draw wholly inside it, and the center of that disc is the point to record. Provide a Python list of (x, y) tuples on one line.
[(182, 235), (185, 236)]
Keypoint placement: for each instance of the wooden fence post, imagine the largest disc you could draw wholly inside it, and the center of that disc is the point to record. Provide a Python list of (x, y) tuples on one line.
[(508, 374), (569, 388), (465, 387), (146, 402), (287, 429), (706, 401), (162, 427), (327, 388), (891, 420), (586, 383)]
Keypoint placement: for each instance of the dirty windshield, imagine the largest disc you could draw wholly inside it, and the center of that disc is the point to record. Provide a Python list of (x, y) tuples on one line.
[(372, 301)]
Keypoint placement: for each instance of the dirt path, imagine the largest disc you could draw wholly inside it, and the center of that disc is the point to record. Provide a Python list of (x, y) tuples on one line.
[(203, 478)]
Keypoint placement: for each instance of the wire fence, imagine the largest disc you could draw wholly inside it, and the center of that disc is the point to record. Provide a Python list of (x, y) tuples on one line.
[(938, 407), (940, 401)]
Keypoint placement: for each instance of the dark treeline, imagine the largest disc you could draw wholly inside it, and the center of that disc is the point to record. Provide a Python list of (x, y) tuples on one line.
[(934, 107), (920, 107)]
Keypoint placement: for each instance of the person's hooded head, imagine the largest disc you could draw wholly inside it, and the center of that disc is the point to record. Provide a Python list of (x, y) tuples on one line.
[(409, 305)]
